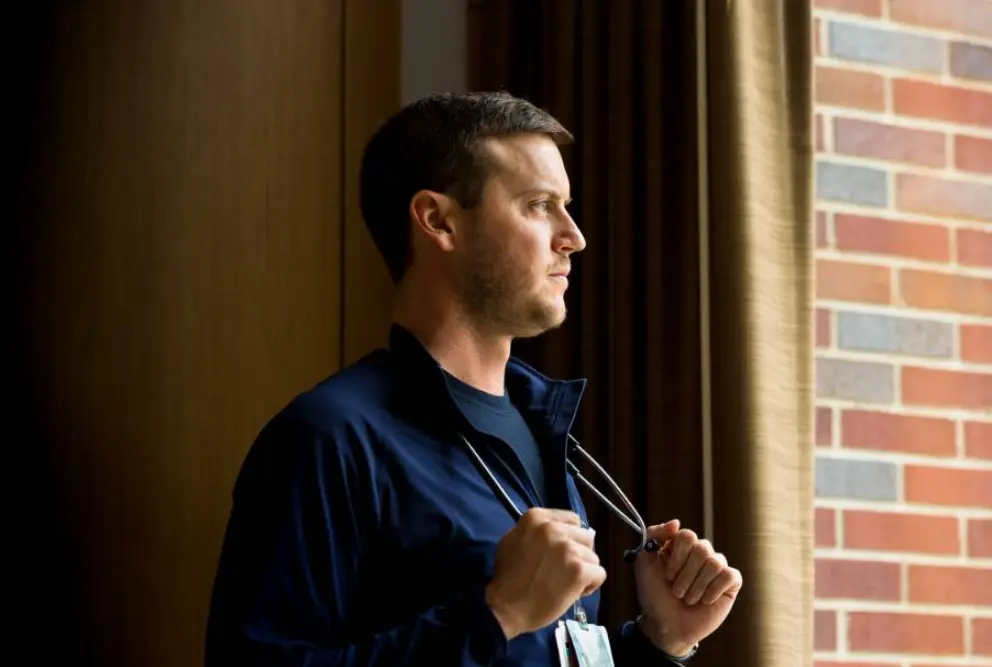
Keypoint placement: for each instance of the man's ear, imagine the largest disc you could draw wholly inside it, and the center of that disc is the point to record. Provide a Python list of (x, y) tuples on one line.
[(432, 214)]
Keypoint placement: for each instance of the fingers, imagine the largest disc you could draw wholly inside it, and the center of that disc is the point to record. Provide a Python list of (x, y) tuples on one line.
[(573, 542), (710, 569), (543, 514), (697, 572), (564, 531), (700, 554), (681, 547), (727, 582), (664, 532), (584, 536), (593, 576), (576, 549)]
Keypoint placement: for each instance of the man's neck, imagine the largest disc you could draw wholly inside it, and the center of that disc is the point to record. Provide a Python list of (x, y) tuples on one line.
[(459, 347)]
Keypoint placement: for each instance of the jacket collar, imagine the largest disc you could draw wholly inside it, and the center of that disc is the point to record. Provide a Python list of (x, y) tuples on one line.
[(550, 405)]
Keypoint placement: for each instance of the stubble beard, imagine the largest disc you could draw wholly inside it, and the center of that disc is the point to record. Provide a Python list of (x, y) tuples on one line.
[(498, 299)]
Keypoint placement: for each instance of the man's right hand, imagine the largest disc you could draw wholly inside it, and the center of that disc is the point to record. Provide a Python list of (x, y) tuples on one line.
[(543, 565)]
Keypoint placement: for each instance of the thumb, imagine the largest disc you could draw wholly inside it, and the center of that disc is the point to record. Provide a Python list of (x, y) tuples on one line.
[(665, 531)]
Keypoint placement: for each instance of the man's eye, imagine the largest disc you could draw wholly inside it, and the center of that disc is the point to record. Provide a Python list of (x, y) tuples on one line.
[(541, 205)]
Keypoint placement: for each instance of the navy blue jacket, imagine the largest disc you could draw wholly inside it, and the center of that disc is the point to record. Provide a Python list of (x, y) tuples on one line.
[(362, 533)]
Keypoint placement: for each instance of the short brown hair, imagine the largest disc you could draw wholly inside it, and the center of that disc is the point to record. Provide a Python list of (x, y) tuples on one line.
[(432, 144)]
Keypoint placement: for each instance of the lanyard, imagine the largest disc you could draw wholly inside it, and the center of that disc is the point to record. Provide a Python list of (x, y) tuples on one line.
[(633, 520)]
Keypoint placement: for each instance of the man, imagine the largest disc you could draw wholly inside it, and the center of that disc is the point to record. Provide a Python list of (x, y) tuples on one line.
[(364, 530)]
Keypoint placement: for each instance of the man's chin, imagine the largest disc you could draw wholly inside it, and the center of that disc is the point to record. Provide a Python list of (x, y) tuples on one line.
[(542, 323)]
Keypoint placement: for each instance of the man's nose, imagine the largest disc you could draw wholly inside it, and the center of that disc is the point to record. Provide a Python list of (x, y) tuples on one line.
[(571, 238)]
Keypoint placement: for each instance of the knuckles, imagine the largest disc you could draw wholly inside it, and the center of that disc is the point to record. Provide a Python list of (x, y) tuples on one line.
[(533, 517), (712, 563), (703, 548), (574, 568), (549, 533)]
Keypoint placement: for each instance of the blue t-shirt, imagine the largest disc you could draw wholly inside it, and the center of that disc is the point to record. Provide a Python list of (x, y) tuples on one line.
[(496, 416)]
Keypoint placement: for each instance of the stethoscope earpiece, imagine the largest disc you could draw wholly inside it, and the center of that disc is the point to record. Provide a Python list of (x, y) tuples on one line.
[(631, 554)]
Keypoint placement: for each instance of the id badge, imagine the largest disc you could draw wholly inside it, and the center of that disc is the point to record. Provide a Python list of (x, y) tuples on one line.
[(590, 644), (566, 652)]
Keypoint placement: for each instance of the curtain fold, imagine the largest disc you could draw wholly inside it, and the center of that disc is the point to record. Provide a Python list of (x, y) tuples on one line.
[(691, 309), (759, 172)]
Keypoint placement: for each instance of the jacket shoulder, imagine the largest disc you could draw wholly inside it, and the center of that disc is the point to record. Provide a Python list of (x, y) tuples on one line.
[(357, 394), (333, 426)]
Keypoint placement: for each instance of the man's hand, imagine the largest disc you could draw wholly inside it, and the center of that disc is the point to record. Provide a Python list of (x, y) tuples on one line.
[(686, 589), (543, 565)]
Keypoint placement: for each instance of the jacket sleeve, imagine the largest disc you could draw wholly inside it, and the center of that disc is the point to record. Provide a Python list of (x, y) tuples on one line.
[(286, 589), (632, 649)]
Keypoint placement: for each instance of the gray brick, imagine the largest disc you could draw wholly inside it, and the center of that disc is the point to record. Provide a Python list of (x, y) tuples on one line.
[(971, 61), (852, 184), (863, 480), (886, 47), (900, 335), (862, 381)]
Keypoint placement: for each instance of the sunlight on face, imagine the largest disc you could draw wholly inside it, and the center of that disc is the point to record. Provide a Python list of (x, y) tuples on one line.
[(518, 244)]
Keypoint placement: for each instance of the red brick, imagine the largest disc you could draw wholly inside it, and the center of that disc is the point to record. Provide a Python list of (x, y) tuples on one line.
[(857, 580), (863, 7), (885, 531), (906, 633), (941, 197), (950, 585), (981, 636), (865, 138), (845, 281), (849, 88), (943, 388), (976, 343), (824, 426), (822, 327), (956, 487), (822, 241), (974, 247), (859, 233), (818, 133), (973, 154), (978, 440), (824, 630), (930, 290), (968, 16), (980, 538), (888, 432), (949, 103), (826, 527)]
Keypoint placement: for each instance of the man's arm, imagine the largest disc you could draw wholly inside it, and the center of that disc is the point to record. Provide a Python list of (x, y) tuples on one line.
[(285, 593)]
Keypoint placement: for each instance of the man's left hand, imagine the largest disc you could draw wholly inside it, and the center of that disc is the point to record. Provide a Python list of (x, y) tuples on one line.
[(685, 589)]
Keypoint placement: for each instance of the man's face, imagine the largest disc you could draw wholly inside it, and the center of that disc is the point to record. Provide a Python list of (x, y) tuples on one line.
[(512, 274)]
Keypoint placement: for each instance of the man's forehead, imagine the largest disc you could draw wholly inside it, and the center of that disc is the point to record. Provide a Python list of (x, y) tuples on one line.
[(521, 159)]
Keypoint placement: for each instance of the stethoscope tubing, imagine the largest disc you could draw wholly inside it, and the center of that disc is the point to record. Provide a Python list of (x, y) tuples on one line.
[(636, 523)]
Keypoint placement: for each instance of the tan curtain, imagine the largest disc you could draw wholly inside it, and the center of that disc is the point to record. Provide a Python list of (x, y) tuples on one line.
[(691, 314)]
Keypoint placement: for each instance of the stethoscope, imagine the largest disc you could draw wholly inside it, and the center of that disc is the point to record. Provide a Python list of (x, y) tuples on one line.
[(633, 520)]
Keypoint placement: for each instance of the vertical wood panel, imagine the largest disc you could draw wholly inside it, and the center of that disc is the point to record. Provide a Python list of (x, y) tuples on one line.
[(373, 91), (184, 259)]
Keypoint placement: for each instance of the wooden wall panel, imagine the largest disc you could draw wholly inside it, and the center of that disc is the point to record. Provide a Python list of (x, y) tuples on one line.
[(373, 91), (180, 279)]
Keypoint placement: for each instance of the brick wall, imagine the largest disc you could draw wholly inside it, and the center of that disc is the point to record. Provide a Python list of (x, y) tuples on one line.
[(904, 332)]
